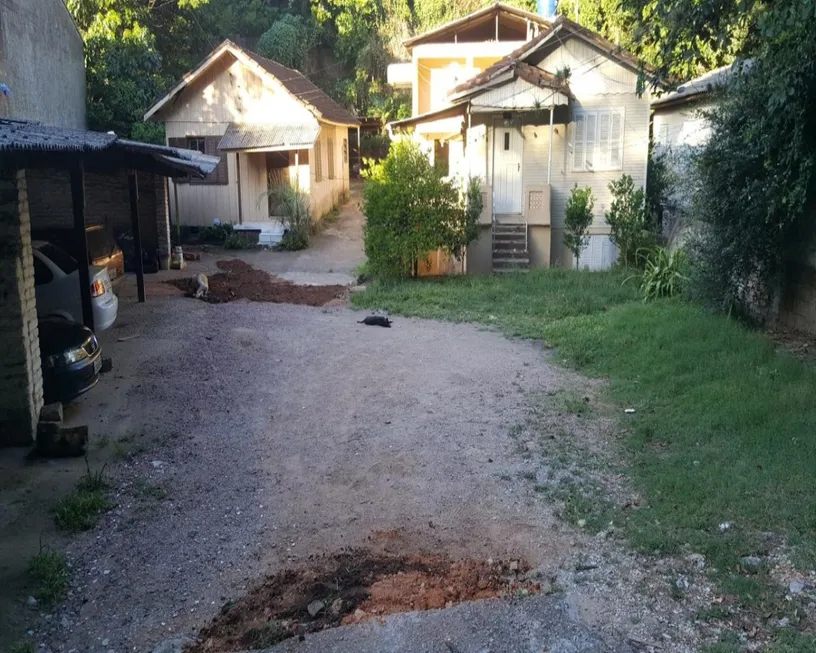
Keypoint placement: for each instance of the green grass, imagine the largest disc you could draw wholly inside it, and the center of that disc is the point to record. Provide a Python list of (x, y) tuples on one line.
[(80, 510), (22, 647), (518, 303), (50, 573), (723, 423)]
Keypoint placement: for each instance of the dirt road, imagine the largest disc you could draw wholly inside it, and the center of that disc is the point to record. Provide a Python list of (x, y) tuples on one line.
[(250, 437)]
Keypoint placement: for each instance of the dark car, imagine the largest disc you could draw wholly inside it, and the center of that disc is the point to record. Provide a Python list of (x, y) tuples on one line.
[(71, 359)]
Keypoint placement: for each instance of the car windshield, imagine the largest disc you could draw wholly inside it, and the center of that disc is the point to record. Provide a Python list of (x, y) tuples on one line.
[(63, 260)]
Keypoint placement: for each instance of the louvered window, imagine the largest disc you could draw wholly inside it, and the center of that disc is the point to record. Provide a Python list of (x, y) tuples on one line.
[(597, 140)]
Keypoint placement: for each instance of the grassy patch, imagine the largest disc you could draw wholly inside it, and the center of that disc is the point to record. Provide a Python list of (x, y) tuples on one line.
[(81, 509), (518, 303), (50, 573), (22, 647), (720, 443)]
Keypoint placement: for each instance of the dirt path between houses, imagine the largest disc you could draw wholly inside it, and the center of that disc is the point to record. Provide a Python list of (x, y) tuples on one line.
[(254, 440)]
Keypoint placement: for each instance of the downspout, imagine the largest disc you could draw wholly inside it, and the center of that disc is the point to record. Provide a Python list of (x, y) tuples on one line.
[(549, 160)]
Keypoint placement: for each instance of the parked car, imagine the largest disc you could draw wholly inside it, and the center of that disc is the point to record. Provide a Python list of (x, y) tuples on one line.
[(71, 359), (103, 250), (56, 283)]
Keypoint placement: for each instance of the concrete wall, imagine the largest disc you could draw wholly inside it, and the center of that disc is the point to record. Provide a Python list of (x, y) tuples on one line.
[(20, 372), (42, 61)]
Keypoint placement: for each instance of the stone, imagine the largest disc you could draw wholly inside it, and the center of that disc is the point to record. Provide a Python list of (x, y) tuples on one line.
[(784, 622), (581, 523), (66, 443), (531, 446), (359, 615), (51, 412), (752, 561), (32, 602), (336, 606), (796, 587), (315, 607), (514, 565), (105, 642), (48, 428)]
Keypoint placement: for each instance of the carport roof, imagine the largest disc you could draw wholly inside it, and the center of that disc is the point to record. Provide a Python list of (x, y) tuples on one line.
[(27, 141)]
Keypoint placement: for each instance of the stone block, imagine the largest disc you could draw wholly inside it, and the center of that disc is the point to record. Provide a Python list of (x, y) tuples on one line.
[(51, 412)]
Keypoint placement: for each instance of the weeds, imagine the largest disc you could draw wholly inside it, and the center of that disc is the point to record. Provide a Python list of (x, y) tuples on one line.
[(81, 509), (22, 647), (50, 572)]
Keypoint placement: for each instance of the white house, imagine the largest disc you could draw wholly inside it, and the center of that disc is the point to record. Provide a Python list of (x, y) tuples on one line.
[(532, 107), (268, 123)]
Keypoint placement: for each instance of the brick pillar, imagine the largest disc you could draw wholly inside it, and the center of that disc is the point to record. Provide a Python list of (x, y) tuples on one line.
[(21, 390), (162, 222)]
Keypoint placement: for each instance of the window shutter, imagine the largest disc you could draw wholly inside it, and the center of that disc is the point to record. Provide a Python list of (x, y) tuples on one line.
[(318, 162), (603, 140), (615, 140), (220, 175), (578, 145), (180, 143), (591, 125), (330, 154)]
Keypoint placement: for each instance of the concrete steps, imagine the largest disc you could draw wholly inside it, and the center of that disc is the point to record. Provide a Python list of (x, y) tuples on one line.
[(510, 247)]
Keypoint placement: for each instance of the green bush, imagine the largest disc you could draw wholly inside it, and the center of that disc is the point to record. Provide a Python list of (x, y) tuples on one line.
[(662, 272), (577, 219), (288, 41), (295, 207), (628, 216), (237, 240), (411, 211), (216, 233)]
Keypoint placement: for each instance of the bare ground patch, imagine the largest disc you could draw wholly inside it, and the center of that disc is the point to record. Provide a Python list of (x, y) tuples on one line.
[(351, 587), (239, 280)]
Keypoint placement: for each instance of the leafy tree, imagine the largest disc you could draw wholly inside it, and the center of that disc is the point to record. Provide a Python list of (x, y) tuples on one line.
[(577, 219), (411, 211), (756, 189), (628, 218), (288, 41)]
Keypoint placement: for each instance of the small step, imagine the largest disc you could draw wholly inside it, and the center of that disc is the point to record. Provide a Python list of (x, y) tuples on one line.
[(513, 270), (509, 238), (511, 262), (510, 253), (512, 229)]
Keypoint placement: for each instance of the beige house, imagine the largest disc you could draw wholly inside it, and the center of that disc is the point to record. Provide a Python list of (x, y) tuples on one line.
[(268, 123), (531, 107)]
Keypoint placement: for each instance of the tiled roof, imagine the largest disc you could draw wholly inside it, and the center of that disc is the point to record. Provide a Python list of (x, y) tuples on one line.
[(532, 74), (269, 137)]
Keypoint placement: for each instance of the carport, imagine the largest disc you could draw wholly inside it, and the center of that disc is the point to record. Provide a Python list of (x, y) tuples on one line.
[(26, 145)]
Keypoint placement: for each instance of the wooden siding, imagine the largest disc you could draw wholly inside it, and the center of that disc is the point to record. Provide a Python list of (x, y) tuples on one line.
[(591, 71)]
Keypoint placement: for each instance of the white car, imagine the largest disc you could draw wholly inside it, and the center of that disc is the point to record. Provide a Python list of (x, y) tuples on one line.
[(56, 282)]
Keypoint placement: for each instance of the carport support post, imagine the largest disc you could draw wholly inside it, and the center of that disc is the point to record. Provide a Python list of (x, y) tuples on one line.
[(78, 201), (133, 187)]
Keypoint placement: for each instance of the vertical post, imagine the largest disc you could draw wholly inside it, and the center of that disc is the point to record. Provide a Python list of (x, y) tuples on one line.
[(178, 218), (497, 26), (549, 159), (78, 202), (359, 153), (297, 169), (238, 180), (133, 187)]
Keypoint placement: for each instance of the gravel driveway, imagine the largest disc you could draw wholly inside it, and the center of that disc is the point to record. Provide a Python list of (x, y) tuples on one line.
[(279, 432), (245, 438)]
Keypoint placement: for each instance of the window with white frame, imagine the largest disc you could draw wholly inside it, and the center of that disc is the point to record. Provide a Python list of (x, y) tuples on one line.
[(597, 140)]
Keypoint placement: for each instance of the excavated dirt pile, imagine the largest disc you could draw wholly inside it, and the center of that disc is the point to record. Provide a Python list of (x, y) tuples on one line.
[(351, 587)]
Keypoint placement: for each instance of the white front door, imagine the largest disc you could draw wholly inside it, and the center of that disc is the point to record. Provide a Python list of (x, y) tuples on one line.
[(507, 151)]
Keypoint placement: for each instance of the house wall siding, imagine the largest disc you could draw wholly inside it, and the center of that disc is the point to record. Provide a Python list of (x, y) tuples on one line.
[(230, 92), (42, 60), (328, 193)]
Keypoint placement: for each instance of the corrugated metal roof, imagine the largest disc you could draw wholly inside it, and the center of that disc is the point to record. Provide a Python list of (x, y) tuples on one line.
[(24, 136), (32, 138), (268, 137)]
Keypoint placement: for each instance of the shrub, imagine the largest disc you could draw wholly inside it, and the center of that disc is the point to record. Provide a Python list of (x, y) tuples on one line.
[(237, 240), (411, 211), (295, 207), (628, 216), (216, 232), (577, 219), (288, 41), (662, 272)]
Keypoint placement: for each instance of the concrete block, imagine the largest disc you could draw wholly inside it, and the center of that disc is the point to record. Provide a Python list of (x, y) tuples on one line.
[(51, 412)]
